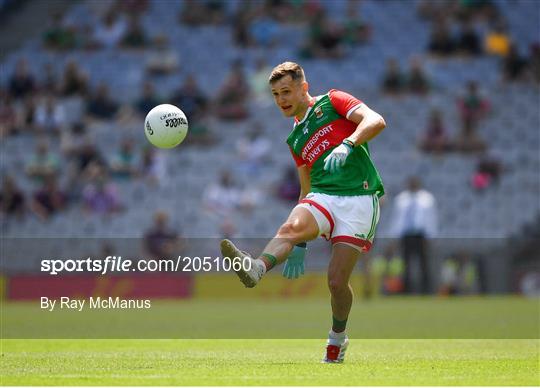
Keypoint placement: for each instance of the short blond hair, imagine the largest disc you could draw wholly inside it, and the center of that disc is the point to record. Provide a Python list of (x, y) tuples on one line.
[(287, 68)]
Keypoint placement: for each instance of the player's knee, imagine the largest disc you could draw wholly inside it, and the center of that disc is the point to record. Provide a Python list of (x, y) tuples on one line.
[(289, 230), (285, 230), (337, 285)]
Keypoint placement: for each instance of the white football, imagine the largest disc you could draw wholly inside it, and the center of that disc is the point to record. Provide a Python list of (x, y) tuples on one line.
[(166, 126)]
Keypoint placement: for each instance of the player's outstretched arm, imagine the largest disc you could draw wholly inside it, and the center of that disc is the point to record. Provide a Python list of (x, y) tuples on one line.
[(294, 265), (305, 181), (370, 124)]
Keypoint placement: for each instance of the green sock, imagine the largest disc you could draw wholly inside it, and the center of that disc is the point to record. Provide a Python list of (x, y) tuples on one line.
[(269, 260), (338, 326)]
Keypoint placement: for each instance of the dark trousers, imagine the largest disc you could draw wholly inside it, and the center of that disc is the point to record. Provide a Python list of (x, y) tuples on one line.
[(415, 245)]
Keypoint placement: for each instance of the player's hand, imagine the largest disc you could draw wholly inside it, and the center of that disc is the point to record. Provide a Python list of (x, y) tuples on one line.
[(337, 158), (294, 266)]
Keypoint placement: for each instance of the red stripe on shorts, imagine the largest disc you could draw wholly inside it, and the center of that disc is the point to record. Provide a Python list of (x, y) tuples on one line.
[(322, 210), (364, 244)]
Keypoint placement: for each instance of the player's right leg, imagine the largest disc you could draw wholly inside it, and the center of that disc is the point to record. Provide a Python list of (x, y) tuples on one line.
[(301, 226), (342, 263), (357, 218)]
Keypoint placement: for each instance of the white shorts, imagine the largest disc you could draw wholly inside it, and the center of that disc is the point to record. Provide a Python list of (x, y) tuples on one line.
[(349, 220)]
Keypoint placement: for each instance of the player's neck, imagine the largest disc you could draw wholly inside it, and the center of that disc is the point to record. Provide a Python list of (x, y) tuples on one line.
[(305, 106)]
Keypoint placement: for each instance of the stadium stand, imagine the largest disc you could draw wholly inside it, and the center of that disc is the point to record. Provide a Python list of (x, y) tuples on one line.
[(178, 178)]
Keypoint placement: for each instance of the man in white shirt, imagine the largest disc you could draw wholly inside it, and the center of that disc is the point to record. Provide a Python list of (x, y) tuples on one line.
[(414, 222)]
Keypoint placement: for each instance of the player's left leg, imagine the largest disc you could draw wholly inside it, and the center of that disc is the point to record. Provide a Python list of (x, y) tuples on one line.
[(301, 226), (344, 258)]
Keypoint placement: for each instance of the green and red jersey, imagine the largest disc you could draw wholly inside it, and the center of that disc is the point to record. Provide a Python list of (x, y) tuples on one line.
[(324, 127)]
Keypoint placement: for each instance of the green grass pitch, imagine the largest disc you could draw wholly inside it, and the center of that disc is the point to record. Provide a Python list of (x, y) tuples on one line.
[(412, 348), (268, 362)]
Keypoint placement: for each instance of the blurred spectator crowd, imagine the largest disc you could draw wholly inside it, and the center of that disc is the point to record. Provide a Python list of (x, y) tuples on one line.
[(58, 106)]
